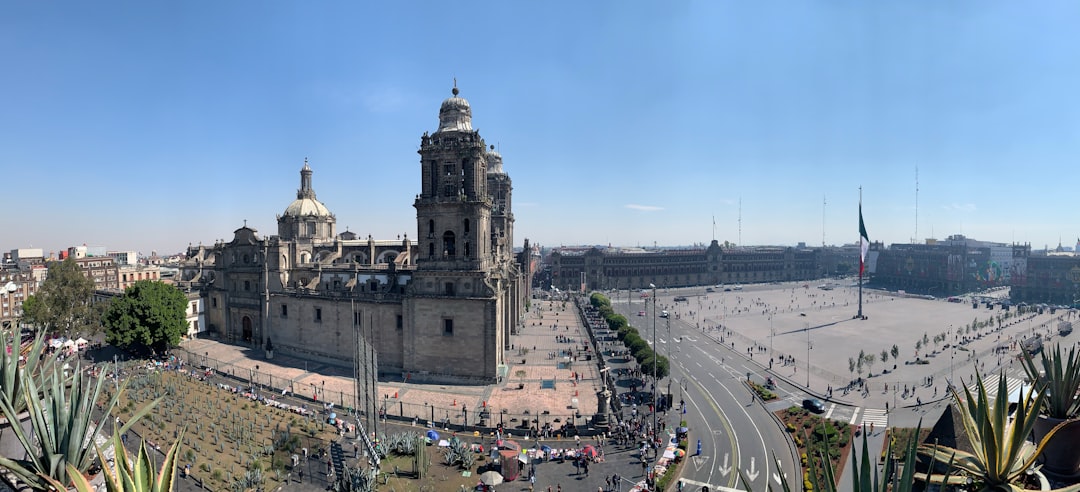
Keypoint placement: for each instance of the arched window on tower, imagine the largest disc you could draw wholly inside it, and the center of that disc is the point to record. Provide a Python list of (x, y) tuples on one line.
[(431, 228), (449, 244), (431, 250), (467, 249), (466, 226)]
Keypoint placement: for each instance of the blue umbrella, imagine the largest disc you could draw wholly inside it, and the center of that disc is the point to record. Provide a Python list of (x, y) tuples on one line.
[(545, 448), (434, 436)]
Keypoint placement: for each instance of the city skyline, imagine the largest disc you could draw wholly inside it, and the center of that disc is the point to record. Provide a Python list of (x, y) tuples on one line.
[(148, 127)]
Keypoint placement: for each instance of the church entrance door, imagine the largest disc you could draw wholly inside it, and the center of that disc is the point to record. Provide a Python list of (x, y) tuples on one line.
[(247, 328)]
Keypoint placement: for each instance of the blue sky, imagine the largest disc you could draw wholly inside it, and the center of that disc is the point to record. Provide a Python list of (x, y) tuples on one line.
[(151, 125)]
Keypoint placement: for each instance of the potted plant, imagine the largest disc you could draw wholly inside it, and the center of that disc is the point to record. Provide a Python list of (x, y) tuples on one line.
[(1001, 455), (62, 429), (125, 474), (1058, 376), (16, 365)]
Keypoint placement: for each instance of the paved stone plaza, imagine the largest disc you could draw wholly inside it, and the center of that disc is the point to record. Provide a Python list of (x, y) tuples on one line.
[(546, 386), (748, 317)]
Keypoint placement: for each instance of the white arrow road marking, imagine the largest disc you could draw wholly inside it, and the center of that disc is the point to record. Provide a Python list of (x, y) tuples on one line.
[(779, 468), (721, 488), (751, 473), (725, 469)]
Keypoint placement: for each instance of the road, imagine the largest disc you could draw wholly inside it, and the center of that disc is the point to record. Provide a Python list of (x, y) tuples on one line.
[(736, 431)]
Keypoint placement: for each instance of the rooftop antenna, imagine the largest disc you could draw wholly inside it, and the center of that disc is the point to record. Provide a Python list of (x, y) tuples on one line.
[(740, 221), (714, 228), (823, 203), (916, 239)]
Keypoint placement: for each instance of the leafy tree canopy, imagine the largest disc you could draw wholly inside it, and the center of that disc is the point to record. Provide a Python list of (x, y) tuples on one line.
[(151, 315), (62, 305)]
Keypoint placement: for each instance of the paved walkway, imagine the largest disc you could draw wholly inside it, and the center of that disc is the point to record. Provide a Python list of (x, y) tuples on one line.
[(540, 382)]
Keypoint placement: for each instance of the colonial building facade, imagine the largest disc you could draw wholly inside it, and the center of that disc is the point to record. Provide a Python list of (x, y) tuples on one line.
[(440, 307), (634, 268), (952, 267)]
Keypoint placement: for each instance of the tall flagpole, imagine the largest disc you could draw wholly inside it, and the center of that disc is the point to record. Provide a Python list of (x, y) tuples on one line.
[(861, 266)]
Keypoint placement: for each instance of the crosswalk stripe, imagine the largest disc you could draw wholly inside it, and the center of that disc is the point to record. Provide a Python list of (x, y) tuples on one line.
[(854, 417), (991, 382), (875, 416)]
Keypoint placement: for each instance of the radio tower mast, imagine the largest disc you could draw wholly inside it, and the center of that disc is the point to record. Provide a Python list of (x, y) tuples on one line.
[(915, 240), (823, 203)]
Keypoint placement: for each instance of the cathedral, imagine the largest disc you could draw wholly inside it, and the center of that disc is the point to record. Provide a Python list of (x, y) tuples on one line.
[(437, 308)]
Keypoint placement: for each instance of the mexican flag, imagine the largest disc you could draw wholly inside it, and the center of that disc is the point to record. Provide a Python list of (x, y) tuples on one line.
[(864, 242)]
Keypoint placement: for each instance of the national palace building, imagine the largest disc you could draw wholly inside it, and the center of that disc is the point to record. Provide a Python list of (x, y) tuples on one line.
[(440, 306), (636, 268)]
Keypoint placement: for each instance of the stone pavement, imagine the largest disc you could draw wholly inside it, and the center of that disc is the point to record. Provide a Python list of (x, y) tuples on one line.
[(540, 380)]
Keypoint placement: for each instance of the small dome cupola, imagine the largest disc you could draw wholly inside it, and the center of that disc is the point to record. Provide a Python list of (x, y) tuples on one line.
[(494, 161), (305, 203), (455, 114)]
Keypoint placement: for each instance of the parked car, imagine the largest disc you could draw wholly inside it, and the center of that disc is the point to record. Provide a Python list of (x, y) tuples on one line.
[(680, 298), (813, 405)]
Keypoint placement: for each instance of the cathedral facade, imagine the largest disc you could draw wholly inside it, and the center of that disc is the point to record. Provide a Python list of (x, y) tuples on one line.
[(440, 307)]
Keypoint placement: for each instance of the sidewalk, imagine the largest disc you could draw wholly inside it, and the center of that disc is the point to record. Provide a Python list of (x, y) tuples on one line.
[(538, 384)]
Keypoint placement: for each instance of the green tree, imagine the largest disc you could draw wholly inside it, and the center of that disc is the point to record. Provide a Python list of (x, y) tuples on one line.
[(149, 316), (62, 304), (663, 367), (895, 352)]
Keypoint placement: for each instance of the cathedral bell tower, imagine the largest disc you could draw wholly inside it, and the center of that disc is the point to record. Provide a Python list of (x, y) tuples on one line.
[(453, 209)]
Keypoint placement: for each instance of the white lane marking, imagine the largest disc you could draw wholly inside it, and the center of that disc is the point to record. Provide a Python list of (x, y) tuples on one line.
[(854, 416), (696, 483)]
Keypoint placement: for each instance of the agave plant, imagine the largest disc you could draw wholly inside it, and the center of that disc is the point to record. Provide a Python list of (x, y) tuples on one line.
[(1060, 377), (1001, 454), (126, 475), (60, 412), (11, 368)]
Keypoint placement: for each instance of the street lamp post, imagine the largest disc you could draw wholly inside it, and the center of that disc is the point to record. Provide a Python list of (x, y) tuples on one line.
[(655, 386), (952, 356), (10, 289), (807, 355), (667, 396), (772, 333)]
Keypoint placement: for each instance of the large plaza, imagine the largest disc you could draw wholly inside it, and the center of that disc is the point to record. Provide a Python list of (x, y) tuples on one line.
[(793, 327)]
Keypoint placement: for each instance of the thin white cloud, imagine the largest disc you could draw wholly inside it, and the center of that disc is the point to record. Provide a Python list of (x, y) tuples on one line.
[(961, 207), (643, 208)]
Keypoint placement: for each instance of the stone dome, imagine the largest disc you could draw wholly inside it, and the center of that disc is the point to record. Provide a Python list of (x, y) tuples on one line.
[(303, 207), (455, 114)]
